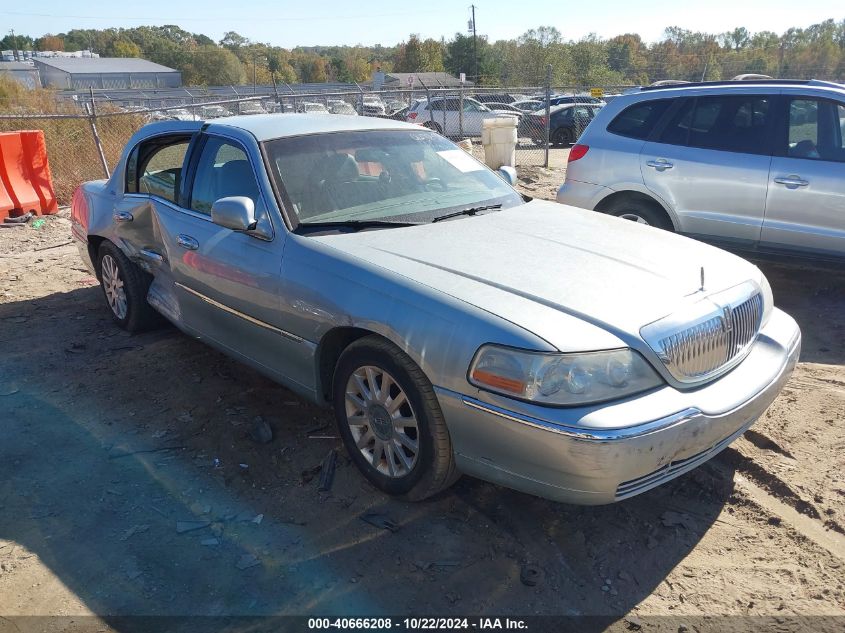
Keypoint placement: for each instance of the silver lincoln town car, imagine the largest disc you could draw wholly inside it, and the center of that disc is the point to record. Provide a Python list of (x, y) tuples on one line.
[(454, 325)]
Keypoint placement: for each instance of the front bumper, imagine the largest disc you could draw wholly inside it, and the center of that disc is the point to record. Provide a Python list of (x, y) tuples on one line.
[(606, 453)]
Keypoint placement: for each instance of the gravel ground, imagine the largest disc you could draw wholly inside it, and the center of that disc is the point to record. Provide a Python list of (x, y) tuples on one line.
[(130, 485)]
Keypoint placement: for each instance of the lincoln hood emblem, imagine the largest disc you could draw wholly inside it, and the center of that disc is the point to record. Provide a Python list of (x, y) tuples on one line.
[(727, 319)]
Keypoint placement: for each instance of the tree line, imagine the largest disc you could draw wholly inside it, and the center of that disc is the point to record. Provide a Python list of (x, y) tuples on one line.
[(817, 51)]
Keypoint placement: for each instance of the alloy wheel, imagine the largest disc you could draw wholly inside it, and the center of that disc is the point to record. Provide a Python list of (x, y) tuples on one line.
[(382, 422), (633, 217), (113, 286)]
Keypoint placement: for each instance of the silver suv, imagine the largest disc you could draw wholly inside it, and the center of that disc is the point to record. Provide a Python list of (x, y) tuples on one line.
[(752, 165)]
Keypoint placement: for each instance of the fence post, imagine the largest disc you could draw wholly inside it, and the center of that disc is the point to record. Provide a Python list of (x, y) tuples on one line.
[(360, 99), (548, 114), (92, 119), (460, 112)]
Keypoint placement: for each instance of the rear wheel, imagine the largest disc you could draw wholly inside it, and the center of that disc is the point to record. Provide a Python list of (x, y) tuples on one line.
[(562, 137), (125, 289), (639, 211), (390, 421)]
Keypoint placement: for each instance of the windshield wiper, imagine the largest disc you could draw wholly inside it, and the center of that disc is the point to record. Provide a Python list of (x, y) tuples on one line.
[(355, 225), (470, 211)]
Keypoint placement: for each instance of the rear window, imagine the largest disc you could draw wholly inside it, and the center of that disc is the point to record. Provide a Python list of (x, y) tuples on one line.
[(638, 120)]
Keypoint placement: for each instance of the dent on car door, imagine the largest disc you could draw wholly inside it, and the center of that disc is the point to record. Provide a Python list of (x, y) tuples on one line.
[(805, 207), (152, 180), (710, 162)]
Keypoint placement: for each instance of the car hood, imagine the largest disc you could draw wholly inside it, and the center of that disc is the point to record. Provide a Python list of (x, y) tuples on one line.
[(524, 262)]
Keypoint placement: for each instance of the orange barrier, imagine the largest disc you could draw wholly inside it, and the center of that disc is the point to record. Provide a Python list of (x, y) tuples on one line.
[(26, 183)]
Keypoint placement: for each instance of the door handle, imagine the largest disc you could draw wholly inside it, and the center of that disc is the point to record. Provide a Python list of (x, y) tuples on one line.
[(792, 182), (661, 164), (186, 241), (122, 216)]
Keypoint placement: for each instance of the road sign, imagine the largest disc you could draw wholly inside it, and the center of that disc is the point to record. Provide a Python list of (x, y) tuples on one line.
[(596, 93)]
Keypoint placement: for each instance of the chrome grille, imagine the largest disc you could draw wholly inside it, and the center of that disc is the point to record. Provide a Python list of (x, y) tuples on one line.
[(718, 339)]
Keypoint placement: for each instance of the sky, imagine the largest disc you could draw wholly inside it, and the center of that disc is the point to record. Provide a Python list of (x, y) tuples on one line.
[(329, 22)]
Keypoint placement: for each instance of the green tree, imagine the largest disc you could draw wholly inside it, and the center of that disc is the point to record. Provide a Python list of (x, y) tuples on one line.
[(125, 48), (212, 66)]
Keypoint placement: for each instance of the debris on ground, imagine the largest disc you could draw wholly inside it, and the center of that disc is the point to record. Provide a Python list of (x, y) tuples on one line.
[(135, 529), (309, 473), (210, 541), (246, 561), (380, 521), (327, 469), (670, 518), (530, 575), (190, 526), (261, 431), (8, 390)]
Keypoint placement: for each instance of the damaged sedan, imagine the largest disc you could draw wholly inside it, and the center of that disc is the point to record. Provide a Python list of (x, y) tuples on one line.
[(454, 325)]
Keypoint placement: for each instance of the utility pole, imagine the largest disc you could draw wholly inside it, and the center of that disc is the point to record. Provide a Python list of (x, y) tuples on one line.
[(14, 45), (474, 44)]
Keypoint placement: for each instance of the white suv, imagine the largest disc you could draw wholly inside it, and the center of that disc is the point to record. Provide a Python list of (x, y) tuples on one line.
[(754, 165), (442, 114)]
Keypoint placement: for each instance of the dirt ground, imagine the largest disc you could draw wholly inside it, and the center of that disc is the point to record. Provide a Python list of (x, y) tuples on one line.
[(130, 485)]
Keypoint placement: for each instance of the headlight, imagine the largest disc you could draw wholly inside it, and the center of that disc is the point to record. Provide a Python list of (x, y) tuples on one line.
[(562, 379)]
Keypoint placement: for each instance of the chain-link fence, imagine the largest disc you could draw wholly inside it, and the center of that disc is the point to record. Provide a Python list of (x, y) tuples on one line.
[(86, 134)]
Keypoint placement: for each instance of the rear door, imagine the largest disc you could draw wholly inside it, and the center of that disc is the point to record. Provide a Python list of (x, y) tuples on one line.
[(710, 163), (805, 208)]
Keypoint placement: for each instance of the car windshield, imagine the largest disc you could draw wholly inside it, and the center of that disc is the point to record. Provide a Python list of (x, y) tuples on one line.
[(397, 176)]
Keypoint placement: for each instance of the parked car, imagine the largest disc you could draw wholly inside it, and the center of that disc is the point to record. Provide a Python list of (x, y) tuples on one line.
[(401, 114), (438, 111), (568, 121), (180, 114), (504, 107), (213, 112), (372, 106), (342, 108), (757, 166), (375, 267), (580, 99), (528, 105), (250, 107), (498, 97), (311, 108)]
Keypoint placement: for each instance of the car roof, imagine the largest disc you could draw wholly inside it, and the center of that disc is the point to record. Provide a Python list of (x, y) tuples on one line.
[(271, 126)]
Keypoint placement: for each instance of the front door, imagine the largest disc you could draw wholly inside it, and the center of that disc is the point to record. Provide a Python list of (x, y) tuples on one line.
[(710, 163), (226, 282), (805, 208)]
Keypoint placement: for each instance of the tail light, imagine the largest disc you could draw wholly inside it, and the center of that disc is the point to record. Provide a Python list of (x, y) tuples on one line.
[(543, 120), (412, 116), (578, 152)]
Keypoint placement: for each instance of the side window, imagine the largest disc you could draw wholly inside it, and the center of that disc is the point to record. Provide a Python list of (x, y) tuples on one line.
[(435, 105), (816, 130), (155, 168), (451, 105), (471, 106), (637, 121), (729, 123), (223, 170)]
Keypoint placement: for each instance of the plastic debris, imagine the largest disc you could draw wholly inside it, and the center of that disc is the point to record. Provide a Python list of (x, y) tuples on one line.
[(38, 224), (190, 526), (246, 561), (327, 470), (530, 575), (261, 431), (380, 521)]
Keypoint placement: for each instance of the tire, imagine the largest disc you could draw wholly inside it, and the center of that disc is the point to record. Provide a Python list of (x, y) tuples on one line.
[(641, 212), (562, 137), (368, 421), (125, 289)]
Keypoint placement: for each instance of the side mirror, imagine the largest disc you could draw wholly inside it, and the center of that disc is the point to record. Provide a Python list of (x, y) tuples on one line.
[(235, 212), (506, 173)]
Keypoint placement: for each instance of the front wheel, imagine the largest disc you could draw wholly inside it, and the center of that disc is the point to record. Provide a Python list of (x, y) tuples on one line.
[(390, 421)]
